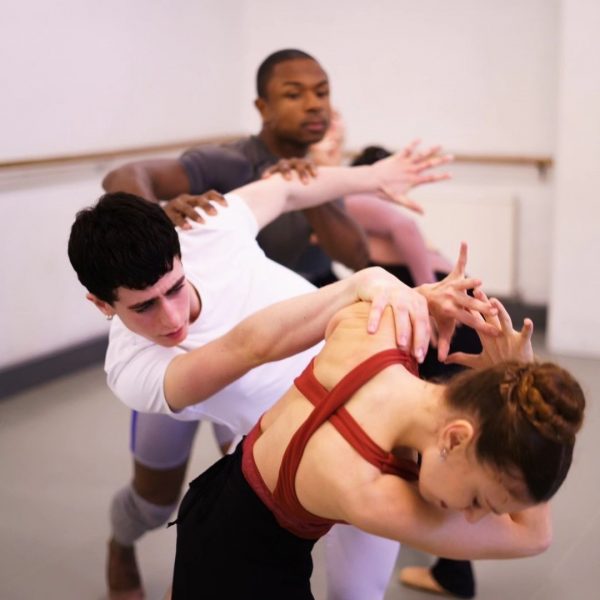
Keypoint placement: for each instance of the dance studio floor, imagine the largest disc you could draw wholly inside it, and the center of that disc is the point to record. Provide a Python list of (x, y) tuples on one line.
[(63, 452)]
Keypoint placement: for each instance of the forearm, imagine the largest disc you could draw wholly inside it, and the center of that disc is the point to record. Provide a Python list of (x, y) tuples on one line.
[(273, 196), (392, 508), (494, 537), (274, 333), (291, 326), (340, 236)]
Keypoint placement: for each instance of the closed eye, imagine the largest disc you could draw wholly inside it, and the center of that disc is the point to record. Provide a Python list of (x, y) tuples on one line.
[(175, 290)]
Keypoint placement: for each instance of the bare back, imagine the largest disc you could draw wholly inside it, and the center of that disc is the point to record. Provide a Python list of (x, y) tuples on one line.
[(330, 468)]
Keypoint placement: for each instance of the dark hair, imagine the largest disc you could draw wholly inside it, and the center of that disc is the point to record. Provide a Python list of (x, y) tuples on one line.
[(528, 415), (265, 70), (123, 240), (370, 155)]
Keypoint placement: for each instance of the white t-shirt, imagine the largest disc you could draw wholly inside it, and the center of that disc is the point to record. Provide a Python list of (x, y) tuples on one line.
[(234, 278)]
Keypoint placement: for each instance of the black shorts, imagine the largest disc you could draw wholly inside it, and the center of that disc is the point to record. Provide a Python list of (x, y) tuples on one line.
[(229, 545)]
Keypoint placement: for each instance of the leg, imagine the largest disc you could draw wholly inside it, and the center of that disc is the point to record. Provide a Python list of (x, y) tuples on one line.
[(359, 565), (161, 447)]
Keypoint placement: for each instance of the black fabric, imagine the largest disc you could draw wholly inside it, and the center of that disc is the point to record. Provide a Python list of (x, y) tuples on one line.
[(230, 546), (455, 576)]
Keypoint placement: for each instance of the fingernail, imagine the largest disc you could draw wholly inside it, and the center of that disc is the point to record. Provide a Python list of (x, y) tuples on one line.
[(403, 342), (419, 355)]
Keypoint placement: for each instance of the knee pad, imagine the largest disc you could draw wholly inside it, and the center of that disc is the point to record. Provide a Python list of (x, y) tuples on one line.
[(131, 515)]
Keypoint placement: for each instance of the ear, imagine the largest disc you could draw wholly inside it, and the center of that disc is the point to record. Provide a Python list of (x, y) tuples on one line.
[(261, 106), (104, 307), (456, 435)]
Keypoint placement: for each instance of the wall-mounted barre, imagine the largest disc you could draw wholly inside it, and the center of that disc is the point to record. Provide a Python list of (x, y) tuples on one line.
[(541, 163)]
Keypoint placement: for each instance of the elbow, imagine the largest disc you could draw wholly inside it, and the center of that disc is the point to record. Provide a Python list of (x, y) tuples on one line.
[(110, 181), (542, 543), (538, 543), (118, 180)]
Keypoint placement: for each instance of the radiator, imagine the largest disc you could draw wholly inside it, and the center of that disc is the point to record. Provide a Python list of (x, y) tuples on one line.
[(487, 221)]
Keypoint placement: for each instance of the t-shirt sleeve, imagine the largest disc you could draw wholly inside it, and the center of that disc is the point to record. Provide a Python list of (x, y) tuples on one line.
[(216, 167), (135, 373)]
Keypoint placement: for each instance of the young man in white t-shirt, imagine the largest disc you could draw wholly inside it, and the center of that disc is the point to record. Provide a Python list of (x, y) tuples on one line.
[(171, 349)]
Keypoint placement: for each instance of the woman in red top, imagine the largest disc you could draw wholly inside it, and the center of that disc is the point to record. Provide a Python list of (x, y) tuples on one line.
[(463, 470)]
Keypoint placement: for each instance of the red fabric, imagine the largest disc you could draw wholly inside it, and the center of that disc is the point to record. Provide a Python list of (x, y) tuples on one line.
[(329, 405)]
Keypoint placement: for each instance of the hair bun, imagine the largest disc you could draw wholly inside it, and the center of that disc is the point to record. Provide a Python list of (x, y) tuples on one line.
[(548, 396)]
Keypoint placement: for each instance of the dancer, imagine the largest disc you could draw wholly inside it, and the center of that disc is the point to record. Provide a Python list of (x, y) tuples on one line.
[(463, 469)]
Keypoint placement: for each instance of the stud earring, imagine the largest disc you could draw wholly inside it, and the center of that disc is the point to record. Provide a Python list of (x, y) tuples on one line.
[(109, 317), (444, 453)]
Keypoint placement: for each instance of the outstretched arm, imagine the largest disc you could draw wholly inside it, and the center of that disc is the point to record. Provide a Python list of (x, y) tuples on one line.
[(338, 233), (287, 328), (391, 178)]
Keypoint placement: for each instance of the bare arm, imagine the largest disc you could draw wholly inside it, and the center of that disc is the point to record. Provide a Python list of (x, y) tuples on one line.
[(386, 221), (390, 178), (160, 179), (396, 510), (338, 233), (340, 236), (287, 328)]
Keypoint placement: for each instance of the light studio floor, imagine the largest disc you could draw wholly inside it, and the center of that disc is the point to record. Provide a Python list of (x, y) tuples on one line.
[(63, 451)]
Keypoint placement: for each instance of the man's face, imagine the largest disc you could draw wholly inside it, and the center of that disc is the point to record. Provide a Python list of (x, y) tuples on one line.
[(161, 312), (297, 108)]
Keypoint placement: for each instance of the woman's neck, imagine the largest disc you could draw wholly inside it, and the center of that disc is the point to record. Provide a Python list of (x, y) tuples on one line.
[(419, 413)]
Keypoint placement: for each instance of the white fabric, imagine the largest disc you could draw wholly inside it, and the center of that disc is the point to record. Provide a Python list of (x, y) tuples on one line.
[(234, 279)]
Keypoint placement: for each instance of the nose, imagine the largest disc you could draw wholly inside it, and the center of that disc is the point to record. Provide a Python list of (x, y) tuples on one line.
[(169, 316), (473, 515)]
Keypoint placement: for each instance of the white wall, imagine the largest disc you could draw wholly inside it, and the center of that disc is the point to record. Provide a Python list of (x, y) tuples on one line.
[(574, 318), (83, 75)]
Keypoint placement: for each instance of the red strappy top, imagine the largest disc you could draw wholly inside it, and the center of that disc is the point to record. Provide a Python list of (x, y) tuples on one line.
[(329, 405)]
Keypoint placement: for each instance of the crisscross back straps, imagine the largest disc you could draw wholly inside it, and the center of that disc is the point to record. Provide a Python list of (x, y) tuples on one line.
[(326, 404)]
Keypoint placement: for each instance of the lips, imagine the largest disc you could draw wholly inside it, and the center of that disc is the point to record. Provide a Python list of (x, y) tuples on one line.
[(175, 334), (315, 126)]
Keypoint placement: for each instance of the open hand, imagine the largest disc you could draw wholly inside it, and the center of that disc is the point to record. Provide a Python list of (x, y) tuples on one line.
[(407, 169), (305, 169), (409, 307), (509, 345), (449, 303)]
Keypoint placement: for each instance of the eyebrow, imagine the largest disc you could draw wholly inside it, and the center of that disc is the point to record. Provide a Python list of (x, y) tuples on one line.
[(148, 302)]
